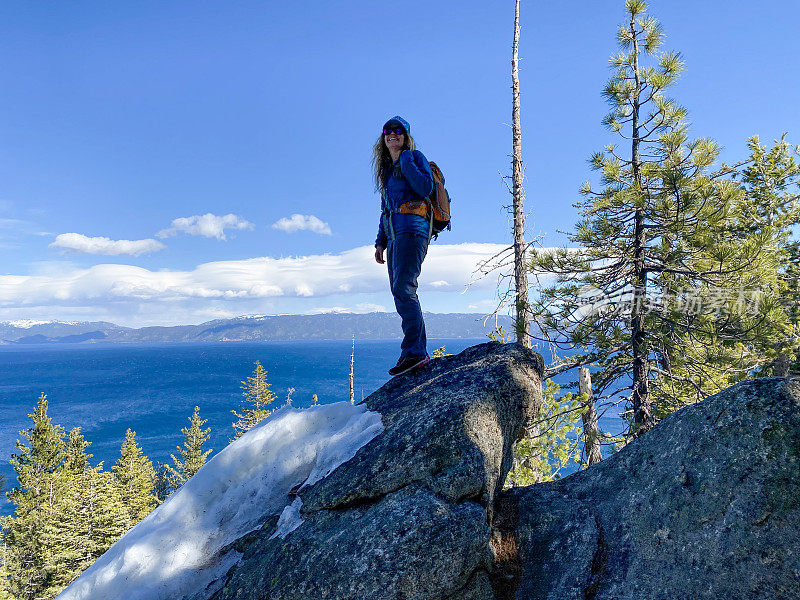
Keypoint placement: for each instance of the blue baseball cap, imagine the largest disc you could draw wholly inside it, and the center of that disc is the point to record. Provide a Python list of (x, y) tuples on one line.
[(398, 120)]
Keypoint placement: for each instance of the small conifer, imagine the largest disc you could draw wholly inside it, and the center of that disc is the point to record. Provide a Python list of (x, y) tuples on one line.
[(192, 456), (161, 486), (135, 477), (257, 396)]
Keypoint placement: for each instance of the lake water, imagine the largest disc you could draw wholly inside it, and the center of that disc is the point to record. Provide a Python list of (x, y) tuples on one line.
[(153, 388)]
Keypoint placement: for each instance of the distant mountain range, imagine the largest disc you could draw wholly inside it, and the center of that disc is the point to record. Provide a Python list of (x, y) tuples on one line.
[(328, 326)]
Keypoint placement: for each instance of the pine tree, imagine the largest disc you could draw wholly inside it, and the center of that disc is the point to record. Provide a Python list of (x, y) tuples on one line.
[(749, 326), (62, 540), (542, 457), (38, 491), (92, 516), (653, 292), (5, 590), (34, 462), (76, 459), (87, 517), (257, 396), (791, 301), (771, 205), (161, 486), (135, 478), (192, 456)]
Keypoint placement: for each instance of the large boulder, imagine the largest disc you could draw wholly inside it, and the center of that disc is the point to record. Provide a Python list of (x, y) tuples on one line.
[(704, 506), (408, 516), (401, 498)]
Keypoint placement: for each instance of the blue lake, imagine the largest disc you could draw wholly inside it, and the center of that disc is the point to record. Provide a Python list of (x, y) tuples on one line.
[(153, 388)]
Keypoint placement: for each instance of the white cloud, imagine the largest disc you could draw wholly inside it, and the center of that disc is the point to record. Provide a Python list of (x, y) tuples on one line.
[(81, 244), (302, 222), (351, 272), (135, 296), (207, 225)]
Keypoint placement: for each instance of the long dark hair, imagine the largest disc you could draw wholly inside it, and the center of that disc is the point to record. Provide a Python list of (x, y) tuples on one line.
[(382, 160)]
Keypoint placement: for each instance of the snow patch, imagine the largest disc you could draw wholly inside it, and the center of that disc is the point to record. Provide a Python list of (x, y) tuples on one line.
[(28, 323), (289, 521), (182, 549)]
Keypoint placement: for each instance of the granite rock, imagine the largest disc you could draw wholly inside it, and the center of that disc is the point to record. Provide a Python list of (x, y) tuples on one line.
[(704, 506), (408, 516)]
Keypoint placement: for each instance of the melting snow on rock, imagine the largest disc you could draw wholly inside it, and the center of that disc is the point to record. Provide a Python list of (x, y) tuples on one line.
[(183, 548)]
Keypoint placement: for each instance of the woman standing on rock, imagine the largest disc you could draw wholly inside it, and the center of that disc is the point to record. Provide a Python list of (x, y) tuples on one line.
[(404, 179)]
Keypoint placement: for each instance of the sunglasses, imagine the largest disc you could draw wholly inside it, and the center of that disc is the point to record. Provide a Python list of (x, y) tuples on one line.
[(395, 130)]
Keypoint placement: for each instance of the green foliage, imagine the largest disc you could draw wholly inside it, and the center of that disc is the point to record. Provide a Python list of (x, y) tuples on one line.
[(5, 590), (498, 334), (76, 459), (257, 396), (86, 518), (553, 443), (665, 252), (66, 513), (771, 207), (161, 485), (135, 477), (791, 300), (38, 456), (192, 455)]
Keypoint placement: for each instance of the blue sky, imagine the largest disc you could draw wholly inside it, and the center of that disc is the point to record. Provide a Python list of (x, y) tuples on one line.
[(117, 119)]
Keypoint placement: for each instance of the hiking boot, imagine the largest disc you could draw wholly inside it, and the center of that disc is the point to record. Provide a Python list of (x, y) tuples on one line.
[(409, 363)]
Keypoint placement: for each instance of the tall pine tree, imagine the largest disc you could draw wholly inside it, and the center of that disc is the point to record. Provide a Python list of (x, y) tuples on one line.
[(771, 204), (652, 295), (192, 455), (135, 477), (39, 454), (257, 396)]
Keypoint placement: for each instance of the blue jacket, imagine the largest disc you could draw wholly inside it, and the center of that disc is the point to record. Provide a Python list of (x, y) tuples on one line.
[(410, 179)]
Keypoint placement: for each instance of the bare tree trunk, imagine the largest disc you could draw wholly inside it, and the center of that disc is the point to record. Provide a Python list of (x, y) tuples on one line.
[(522, 323), (642, 416), (352, 358), (591, 432)]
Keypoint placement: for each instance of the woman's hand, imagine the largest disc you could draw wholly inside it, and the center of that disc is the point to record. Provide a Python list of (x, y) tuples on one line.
[(379, 254)]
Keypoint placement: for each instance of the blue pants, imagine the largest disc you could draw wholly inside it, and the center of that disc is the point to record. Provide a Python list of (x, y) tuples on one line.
[(404, 258)]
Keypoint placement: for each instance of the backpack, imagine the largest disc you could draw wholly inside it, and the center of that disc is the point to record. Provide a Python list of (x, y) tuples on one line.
[(439, 201)]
